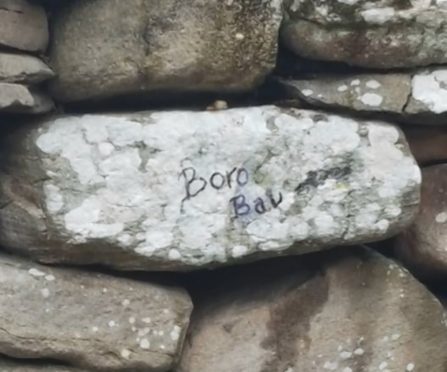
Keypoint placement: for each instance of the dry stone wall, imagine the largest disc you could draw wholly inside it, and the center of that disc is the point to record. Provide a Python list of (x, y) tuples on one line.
[(180, 180)]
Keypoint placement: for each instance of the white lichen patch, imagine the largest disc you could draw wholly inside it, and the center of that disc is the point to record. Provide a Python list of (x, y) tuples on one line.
[(194, 188), (371, 99), (36, 272), (430, 89), (441, 217)]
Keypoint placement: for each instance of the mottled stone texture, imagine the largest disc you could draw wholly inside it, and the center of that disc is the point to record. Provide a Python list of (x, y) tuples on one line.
[(93, 321), (104, 48), (419, 96), (423, 247), (346, 311), (180, 190), (377, 34), (20, 68), (23, 26)]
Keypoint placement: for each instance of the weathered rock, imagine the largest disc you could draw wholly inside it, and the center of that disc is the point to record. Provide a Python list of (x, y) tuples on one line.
[(104, 48), (90, 320), (177, 190), (370, 33), (346, 311), (423, 246), (428, 143), (17, 98), (20, 68), (366, 92), (419, 93), (429, 92), (23, 25)]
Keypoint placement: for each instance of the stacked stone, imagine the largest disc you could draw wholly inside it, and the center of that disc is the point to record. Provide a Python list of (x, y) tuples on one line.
[(386, 35), (117, 193), (23, 37)]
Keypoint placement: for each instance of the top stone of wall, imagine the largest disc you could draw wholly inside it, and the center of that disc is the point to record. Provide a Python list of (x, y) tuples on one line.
[(105, 48), (377, 34)]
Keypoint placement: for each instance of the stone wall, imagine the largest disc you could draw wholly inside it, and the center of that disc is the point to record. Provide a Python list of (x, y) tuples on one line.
[(223, 185)]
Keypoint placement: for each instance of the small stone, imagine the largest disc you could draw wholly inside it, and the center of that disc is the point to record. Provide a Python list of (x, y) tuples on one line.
[(16, 98), (23, 25), (17, 68)]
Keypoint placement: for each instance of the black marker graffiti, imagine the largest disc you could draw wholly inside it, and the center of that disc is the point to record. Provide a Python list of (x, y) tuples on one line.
[(236, 177)]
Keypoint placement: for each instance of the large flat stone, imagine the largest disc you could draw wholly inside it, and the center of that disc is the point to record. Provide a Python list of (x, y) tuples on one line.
[(419, 94), (177, 190), (346, 311), (17, 98), (23, 25), (21, 68), (370, 33), (105, 48), (93, 321)]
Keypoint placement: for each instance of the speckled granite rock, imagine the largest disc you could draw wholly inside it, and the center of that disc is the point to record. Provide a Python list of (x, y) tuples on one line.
[(93, 321), (422, 247), (180, 190), (17, 98), (20, 68), (370, 33), (104, 48), (23, 25), (420, 93), (344, 311)]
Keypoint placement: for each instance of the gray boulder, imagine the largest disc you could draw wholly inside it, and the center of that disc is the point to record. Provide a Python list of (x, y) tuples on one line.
[(345, 311), (179, 190), (369, 33), (104, 48), (93, 321), (422, 93)]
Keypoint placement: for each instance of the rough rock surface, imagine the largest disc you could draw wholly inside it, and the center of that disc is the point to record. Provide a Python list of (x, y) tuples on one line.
[(368, 92), (17, 98), (90, 320), (345, 311), (420, 93), (370, 33), (428, 143), (104, 48), (23, 25), (19, 68), (182, 189), (423, 246)]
